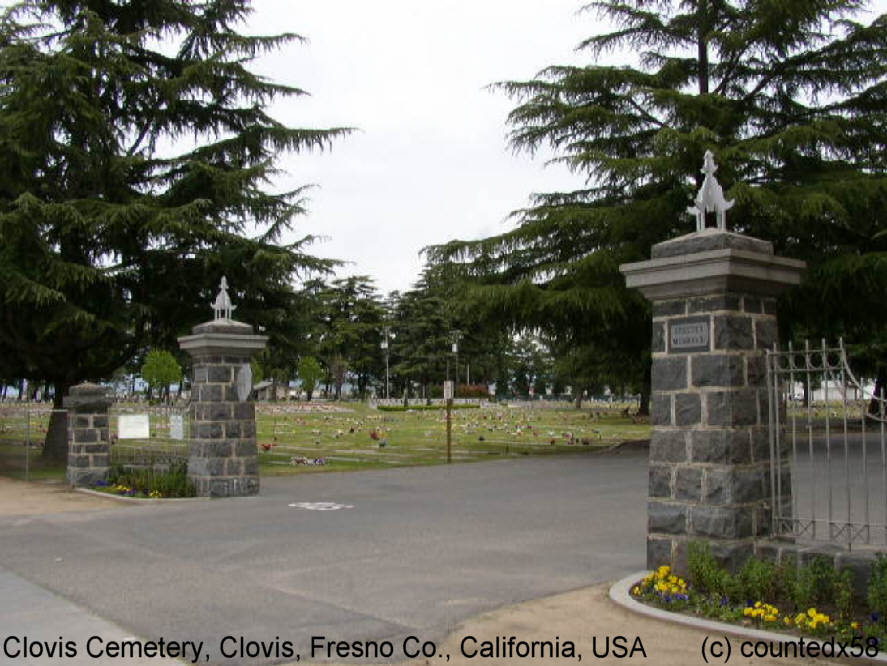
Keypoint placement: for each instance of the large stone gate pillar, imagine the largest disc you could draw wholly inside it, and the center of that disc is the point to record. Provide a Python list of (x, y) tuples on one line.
[(89, 453), (714, 316), (222, 458)]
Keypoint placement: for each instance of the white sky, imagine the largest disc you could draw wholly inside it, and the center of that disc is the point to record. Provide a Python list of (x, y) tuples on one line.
[(430, 160)]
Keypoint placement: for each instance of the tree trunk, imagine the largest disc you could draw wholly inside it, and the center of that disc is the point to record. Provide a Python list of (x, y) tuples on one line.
[(644, 406), (55, 446), (578, 403), (880, 388)]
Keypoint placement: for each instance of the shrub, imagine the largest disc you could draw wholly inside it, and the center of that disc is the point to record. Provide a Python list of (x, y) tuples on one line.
[(706, 573), (877, 590), (757, 580)]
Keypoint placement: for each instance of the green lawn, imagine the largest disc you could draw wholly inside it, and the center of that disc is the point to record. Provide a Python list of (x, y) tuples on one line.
[(351, 436), (345, 440)]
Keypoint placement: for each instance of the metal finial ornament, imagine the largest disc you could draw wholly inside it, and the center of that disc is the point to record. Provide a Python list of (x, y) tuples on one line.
[(222, 306), (710, 197)]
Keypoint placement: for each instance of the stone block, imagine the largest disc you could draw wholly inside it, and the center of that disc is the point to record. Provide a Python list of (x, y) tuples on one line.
[(200, 374), (752, 304), (756, 370), (733, 332), (750, 485), (668, 446), (716, 486), (234, 467), (219, 373), (100, 421), (717, 370), (81, 421), (210, 393), (660, 409), (732, 554), (666, 518), (219, 411), (669, 308), (732, 408), (766, 333), (720, 446), (220, 488), (720, 522), (688, 483), (101, 460), (248, 429), (94, 448), (210, 449), (208, 431), (713, 303), (688, 409), (85, 435), (245, 449), (244, 411), (658, 552), (669, 373), (769, 306), (251, 466), (231, 393), (658, 344), (659, 480), (77, 460), (233, 429)]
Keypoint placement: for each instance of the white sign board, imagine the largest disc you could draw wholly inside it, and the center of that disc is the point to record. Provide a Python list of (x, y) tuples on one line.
[(133, 426), (176, 426), (448, 390)]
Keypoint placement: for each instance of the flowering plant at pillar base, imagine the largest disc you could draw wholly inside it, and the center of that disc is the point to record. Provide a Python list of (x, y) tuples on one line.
[(814, 599)]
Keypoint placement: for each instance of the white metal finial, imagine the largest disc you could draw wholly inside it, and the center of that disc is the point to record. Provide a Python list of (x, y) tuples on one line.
[(710, 197), (222, 306)]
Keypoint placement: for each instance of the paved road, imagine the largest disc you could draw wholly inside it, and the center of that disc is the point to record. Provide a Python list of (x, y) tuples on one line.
[(416, 551)]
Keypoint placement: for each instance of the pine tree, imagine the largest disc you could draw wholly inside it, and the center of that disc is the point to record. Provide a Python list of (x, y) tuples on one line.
[(137, 157), (790, 97)]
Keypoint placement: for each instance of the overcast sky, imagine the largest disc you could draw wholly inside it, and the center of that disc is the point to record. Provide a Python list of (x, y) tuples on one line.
[(430, 160)]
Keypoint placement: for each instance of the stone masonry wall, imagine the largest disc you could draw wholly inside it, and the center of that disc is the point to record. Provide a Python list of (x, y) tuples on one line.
[(223, 460), (89, 453), (709, 473)]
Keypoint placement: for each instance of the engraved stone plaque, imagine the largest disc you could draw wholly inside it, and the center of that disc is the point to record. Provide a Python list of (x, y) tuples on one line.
[(689, 335), (244, 382), (133, 426)]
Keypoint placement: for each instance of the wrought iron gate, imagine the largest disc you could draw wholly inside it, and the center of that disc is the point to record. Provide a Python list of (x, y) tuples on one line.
[(828, 445)]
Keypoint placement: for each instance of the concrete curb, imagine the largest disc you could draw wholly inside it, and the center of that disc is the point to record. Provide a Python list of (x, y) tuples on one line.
[(142, 500), (621, 596)]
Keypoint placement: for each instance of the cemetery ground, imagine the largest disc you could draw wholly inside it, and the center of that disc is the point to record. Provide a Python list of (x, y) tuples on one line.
[(299, 438)]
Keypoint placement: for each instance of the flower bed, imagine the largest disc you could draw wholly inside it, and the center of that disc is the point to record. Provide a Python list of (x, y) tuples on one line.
[(148, 482), (814, 600)]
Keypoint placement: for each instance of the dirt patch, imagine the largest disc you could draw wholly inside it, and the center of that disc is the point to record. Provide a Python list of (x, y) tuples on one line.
[(23, 498)]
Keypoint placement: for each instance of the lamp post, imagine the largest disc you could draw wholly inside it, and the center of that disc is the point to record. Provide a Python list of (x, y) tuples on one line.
[(386, 332)]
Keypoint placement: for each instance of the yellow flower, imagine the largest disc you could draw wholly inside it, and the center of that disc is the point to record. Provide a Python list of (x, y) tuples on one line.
[(636, 590)]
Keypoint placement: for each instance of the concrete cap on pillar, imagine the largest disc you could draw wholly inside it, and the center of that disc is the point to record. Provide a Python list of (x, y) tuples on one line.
[(712, 261)]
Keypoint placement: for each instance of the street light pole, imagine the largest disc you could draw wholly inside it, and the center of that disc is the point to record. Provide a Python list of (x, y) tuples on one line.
[(386, 332)]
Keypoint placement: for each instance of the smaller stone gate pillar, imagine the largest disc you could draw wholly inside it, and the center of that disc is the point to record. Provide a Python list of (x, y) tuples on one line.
[(222, 458), (714, 316), (89, 446)]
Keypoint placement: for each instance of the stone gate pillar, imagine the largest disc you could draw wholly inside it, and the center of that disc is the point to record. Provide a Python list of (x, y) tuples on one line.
[(89, 452), (222, 457), (714, 316)]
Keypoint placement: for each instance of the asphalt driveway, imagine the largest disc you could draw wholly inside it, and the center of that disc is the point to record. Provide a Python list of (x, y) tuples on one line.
[(371, 555)]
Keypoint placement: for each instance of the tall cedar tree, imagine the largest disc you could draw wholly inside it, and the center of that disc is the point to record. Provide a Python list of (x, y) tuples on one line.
[(137, 150), (791, 98)]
